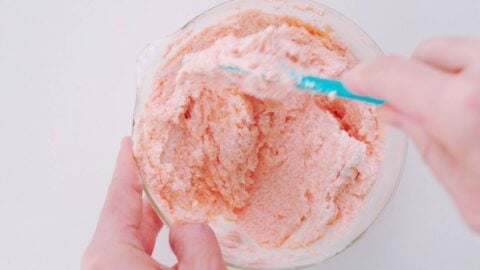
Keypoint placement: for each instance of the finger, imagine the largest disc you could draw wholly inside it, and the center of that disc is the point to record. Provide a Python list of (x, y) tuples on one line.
[(406, 85), (196, 247), (109, 256), (446, 168), (433, 153), (150, 226), (452, 54), (452, 176), (123, 207)]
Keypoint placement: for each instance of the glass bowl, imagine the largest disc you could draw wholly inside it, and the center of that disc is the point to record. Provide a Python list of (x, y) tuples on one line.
[(363, 47)]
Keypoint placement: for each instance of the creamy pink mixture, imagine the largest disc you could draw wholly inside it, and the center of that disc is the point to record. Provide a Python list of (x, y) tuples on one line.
[(282, 164)]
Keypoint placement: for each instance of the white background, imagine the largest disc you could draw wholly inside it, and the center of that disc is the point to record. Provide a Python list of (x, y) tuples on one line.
[(67, 80)]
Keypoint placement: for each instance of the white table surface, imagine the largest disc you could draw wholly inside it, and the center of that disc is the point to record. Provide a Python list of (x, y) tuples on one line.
[(67, 78)]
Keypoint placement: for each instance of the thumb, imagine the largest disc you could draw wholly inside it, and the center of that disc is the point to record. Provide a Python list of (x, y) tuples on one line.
[(196, 247)]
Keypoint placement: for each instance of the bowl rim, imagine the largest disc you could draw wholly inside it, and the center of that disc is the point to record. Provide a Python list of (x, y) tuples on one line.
[(327, 9)]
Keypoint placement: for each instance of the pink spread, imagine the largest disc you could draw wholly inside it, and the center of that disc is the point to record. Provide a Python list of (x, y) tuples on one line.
[(282, 164)]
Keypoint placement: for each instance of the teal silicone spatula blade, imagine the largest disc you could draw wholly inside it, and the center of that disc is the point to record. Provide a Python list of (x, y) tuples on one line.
[(328, 86), (318, 85)]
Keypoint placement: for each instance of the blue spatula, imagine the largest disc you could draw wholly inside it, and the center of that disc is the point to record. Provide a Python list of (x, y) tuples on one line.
[(319, 85)]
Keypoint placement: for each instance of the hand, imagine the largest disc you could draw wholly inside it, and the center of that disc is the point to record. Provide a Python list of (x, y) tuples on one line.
[(434, 96), (127, 229)]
